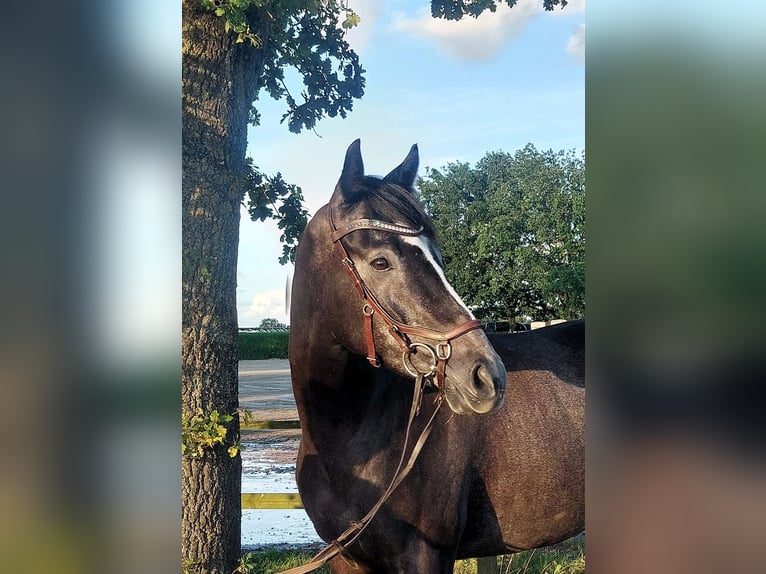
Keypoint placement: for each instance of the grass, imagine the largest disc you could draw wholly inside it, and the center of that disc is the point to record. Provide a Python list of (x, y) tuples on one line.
[(273, 561), (565, 558)]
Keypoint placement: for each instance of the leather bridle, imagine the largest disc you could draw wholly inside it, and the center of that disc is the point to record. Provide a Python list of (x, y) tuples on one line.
[(401, 332)]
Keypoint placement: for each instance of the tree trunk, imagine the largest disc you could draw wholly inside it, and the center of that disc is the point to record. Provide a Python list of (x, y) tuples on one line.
[(216, 90)]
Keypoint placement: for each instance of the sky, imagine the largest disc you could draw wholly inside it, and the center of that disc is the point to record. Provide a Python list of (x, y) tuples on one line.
[(457, 89)]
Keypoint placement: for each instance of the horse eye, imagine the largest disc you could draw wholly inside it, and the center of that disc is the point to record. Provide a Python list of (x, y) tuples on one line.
[(380, 264)]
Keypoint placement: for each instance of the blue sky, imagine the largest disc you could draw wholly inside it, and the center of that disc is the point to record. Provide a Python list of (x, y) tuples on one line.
[(458, 90)]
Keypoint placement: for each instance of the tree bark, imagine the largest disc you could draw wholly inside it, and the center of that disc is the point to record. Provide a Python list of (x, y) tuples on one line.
[(217, 85)]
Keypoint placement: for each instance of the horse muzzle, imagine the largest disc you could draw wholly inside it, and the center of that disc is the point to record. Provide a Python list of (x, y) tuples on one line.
[(481, 391)]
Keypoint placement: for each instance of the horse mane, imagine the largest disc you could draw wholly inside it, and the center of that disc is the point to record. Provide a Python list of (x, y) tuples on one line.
[(390, 202)]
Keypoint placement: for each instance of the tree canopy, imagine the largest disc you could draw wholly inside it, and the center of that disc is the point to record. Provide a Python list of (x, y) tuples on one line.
[(271, 323), (456, 9), (512, 232), (296, 52), (302, 36)]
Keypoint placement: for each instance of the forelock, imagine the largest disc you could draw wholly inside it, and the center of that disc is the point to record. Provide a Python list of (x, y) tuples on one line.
[(392, 203)]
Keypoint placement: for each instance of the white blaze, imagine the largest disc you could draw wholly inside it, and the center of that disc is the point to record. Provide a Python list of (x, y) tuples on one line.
[(420, 242)]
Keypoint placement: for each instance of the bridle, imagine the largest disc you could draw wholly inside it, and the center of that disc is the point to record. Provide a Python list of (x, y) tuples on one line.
[(401, 332)]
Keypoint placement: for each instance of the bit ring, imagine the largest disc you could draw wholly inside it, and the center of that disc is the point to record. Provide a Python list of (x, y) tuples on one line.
[(411, 369)]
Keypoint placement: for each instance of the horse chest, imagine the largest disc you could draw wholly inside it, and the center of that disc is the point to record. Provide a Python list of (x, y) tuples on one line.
[(356, 472)]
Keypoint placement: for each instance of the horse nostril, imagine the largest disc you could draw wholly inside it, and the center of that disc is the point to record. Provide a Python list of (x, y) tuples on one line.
[(483, 382), (489, 385)]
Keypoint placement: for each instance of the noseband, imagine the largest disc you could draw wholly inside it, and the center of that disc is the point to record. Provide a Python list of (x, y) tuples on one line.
[(401, 332)]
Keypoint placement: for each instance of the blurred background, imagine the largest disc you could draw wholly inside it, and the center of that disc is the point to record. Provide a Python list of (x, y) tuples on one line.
[(676, 281), (91, 228), (676, 286)]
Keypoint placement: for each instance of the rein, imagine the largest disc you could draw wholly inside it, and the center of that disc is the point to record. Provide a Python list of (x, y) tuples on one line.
[(441, 352)]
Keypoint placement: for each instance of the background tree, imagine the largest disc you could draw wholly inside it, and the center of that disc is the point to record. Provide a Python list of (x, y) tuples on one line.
[(270, 323), (232, 52), (512, 231)]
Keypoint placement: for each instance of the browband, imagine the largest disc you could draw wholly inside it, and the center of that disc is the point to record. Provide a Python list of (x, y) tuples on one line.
[(373, 224)]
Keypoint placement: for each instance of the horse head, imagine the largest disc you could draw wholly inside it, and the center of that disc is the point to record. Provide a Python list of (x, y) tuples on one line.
[(400, 310)]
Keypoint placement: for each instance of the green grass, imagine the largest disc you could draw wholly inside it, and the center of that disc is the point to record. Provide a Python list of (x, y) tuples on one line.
[(565, 558), (263, 345), (273, 561)]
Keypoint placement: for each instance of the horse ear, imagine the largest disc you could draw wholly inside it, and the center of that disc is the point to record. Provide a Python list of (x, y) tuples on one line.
[(353, 168), (404, 174)]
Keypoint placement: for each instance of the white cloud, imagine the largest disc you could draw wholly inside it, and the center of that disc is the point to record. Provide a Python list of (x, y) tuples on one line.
[(572, 7), (359, 36), (576, 44), (267, 304), (472, 38)]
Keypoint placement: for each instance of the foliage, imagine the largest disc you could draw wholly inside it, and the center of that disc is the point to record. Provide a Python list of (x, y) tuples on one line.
[(293, 43), (270, 323), (565, 558), (274, 561), (233, 13), (307, 37), (257, 346), (512, 232), (263, 193), (201, 432), (456, 9)]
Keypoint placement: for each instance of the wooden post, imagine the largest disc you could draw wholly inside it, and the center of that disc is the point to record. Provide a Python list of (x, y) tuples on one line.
[(252, 500)]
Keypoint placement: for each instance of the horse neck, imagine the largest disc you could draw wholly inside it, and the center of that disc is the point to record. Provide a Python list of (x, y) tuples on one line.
[(332, 386), (319, 362), (313, 347), (362, 406)]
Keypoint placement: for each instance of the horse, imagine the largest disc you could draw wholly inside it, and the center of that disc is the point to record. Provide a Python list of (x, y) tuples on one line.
[(379, 340)]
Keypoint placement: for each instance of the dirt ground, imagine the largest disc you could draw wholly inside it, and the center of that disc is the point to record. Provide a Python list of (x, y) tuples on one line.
[(281, 446), (265, 390)]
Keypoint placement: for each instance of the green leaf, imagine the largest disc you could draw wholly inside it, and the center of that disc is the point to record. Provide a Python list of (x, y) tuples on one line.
[(201, 432), (351, 21)]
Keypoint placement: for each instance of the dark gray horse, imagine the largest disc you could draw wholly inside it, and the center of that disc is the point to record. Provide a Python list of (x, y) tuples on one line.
[(503, 467)]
